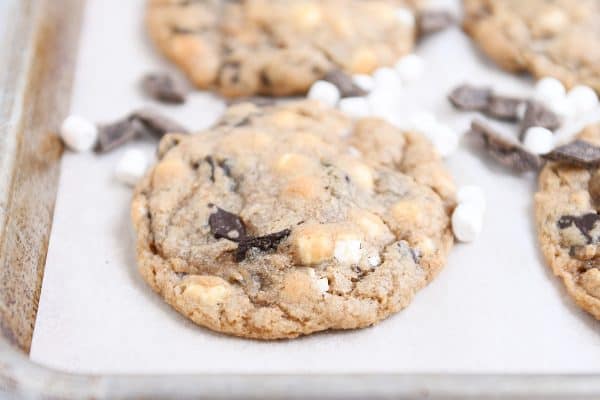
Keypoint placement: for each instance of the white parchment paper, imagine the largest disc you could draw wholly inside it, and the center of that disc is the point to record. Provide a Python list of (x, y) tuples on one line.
[(494, 308)]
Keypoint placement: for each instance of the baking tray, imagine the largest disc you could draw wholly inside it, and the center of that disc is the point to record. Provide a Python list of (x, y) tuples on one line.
[(39, 52)]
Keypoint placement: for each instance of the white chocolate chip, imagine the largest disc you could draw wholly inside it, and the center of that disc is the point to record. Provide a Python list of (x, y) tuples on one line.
[(471, 194), (206, 290), (583, 99), (131, 167), (374, 260), (347, 251), (405, 16), (410, 68), (538, 140), (355, 107), (313, 244), (324, 91), (590, 281), (363, 81), (78, 133), (467, 221), (548, 90), (323, 284), (354, 152)]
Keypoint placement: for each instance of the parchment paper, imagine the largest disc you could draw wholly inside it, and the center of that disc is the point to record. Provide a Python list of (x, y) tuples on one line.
[(494, 308)]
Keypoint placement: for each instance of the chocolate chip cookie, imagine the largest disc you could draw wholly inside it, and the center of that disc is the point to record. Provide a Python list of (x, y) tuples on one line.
[(277, 47), (566, 208), (559, 38), (285, 220)]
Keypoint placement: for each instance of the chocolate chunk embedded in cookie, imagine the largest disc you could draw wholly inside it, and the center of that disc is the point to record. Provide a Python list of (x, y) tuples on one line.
[(297, 221)]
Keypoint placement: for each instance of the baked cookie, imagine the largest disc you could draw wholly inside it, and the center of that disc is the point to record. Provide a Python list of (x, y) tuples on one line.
[(568, 223), (286, 220), (277, 47), (559, 38)]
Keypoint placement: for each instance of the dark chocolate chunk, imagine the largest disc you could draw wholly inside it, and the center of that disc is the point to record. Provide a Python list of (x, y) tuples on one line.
[(433, 21), (578, 153), (344, 83), (226, 225), (164, 87), (594, 188), (536, 114), (263, 243), (504, 151), (502, 107), (113, 135), (156, 124), (585, 223), (470, 98)]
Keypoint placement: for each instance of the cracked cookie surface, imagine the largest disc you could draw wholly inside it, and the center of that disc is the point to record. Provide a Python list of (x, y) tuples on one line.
[(277, 47), (559, 38), (568, 223), (291, 219)]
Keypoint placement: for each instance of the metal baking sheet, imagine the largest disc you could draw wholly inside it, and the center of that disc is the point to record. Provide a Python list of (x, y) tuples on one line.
[(495, 308)]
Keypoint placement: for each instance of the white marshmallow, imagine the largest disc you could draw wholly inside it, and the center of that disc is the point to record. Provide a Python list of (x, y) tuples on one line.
[(538, 140), (410, 68), (347, 251), (78, 133), (386, 79), (323, 284), (374, 260), (471, 194), (405, 16), (583, 99), (467, 222), (324, 91), (521, 109), (355, 107), (548, 90), (363, 81), (562, 107), (131, 167)]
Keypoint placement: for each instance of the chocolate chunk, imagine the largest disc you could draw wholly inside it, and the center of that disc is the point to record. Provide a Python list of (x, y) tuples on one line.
[(433, 21), (157, 124), (502, 107), (578, 153), (585, 223), (504, 151), (164, 87), (226, 225), (263, 243), (111, 136), (470, 98), (537, 114), (594, 188), (344, 83)]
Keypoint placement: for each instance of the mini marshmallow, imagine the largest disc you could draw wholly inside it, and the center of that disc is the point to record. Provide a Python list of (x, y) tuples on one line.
[(347, 251), (521, 109), (539, 140), (78, 133), (131, 167), (363, 81), (548, 90), (386, 79), (324, 91), (410, 68), (405, 16), (323, 284), (471, 194), (583, 99), (562, 107), (355, 107), (467, 221), (374, 260)]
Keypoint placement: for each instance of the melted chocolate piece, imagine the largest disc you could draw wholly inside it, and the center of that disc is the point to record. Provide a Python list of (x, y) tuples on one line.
[(537, 114), (504, 108), (164, 88), (263, 243), (578, 153), (585, 223), (111, 136), (226, 225), (344, 83), (504, 151), (157, 124), (433, 21), (470, 98)]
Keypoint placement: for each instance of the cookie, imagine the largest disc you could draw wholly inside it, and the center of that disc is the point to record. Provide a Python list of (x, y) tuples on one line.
[(568, 223), (558, 38), (291, 219), (277, 47)]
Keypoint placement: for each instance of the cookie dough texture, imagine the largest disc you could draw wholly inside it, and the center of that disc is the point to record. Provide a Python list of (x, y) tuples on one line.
[(572, 249), (366, 205), (277, 47), (559, 38)]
